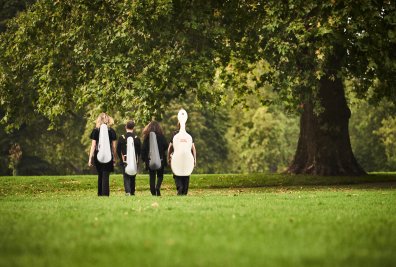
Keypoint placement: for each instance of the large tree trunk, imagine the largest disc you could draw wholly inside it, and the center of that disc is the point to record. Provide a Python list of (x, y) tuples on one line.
[(324, 146)]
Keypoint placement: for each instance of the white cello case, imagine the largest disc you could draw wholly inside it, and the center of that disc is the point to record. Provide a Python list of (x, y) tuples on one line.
[(131, 167), (104, 150), (182, 162)]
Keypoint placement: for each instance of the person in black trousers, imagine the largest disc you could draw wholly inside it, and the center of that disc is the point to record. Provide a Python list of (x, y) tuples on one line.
[(129, 180), (154, 126), (182, 182), (103, 169)]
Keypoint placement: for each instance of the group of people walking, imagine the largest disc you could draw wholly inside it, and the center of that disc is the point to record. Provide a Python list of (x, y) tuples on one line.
[(119, 150)]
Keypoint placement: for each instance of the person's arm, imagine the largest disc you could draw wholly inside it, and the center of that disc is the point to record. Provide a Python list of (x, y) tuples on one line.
[(91, 152), (164, 149), (118, 150), (144, 150), (170, 150), (194, 152), (137, 149), (114, 143)]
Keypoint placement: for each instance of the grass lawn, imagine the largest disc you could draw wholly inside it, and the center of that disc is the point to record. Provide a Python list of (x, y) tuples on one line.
[(226, 220)]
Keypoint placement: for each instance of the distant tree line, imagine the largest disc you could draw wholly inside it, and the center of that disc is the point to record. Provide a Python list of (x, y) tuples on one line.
[(254, 138)]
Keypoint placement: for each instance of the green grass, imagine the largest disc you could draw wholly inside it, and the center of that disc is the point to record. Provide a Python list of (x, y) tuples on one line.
[(227, 220)]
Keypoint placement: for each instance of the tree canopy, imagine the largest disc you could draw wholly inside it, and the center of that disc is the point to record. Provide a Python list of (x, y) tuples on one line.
[(62, 58), (305, 41), (137, 56), (129, 56), (313, 48)]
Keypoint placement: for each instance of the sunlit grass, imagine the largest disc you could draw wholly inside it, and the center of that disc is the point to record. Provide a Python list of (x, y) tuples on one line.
[(225, 221)]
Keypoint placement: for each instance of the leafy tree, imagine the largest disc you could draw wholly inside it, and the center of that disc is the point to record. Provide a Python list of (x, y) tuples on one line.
[(312, 47), (372, 134), (127, 56), (62, 146), (368, 149), (136, 56), (260, 138), (10, 8), (387, 134), (56, 151)]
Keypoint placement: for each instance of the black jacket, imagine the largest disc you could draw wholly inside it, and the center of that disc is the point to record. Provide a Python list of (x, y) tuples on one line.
[(122, 145), (112, 137)]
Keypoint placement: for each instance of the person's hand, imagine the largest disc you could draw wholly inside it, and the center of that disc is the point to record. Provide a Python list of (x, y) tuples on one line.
[(89, 162)]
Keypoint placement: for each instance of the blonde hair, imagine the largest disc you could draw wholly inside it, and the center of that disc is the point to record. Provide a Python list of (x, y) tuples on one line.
[(104, 118)]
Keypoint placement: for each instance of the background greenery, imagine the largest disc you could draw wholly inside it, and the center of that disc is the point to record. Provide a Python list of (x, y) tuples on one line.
[(176, 57), (250, 138)]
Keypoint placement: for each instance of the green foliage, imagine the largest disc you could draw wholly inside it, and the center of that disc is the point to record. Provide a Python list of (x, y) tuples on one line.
[(372, 134), (227, 139), (261, 138), (387, 134), (62, 147), (56, 151), (10, 8), (126, 56), (304, 41), (129, 58), (135, 58)]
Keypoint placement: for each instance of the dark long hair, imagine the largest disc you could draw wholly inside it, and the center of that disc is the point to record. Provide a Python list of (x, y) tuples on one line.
[(153, 126)]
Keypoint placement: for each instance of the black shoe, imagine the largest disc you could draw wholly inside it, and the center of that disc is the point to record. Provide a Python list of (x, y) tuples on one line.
[(157, 192)]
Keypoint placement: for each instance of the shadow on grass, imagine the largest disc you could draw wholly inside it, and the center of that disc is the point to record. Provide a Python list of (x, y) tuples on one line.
[(31, 185), (381, 180)]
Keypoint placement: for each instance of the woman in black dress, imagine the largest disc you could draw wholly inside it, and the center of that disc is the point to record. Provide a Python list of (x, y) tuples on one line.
[(155, 127), (103, 169)]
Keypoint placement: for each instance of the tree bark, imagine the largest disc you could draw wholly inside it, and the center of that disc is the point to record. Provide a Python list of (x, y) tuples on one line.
[(324, 146)]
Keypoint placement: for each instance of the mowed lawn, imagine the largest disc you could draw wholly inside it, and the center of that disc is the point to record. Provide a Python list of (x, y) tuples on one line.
[(226, 220)]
